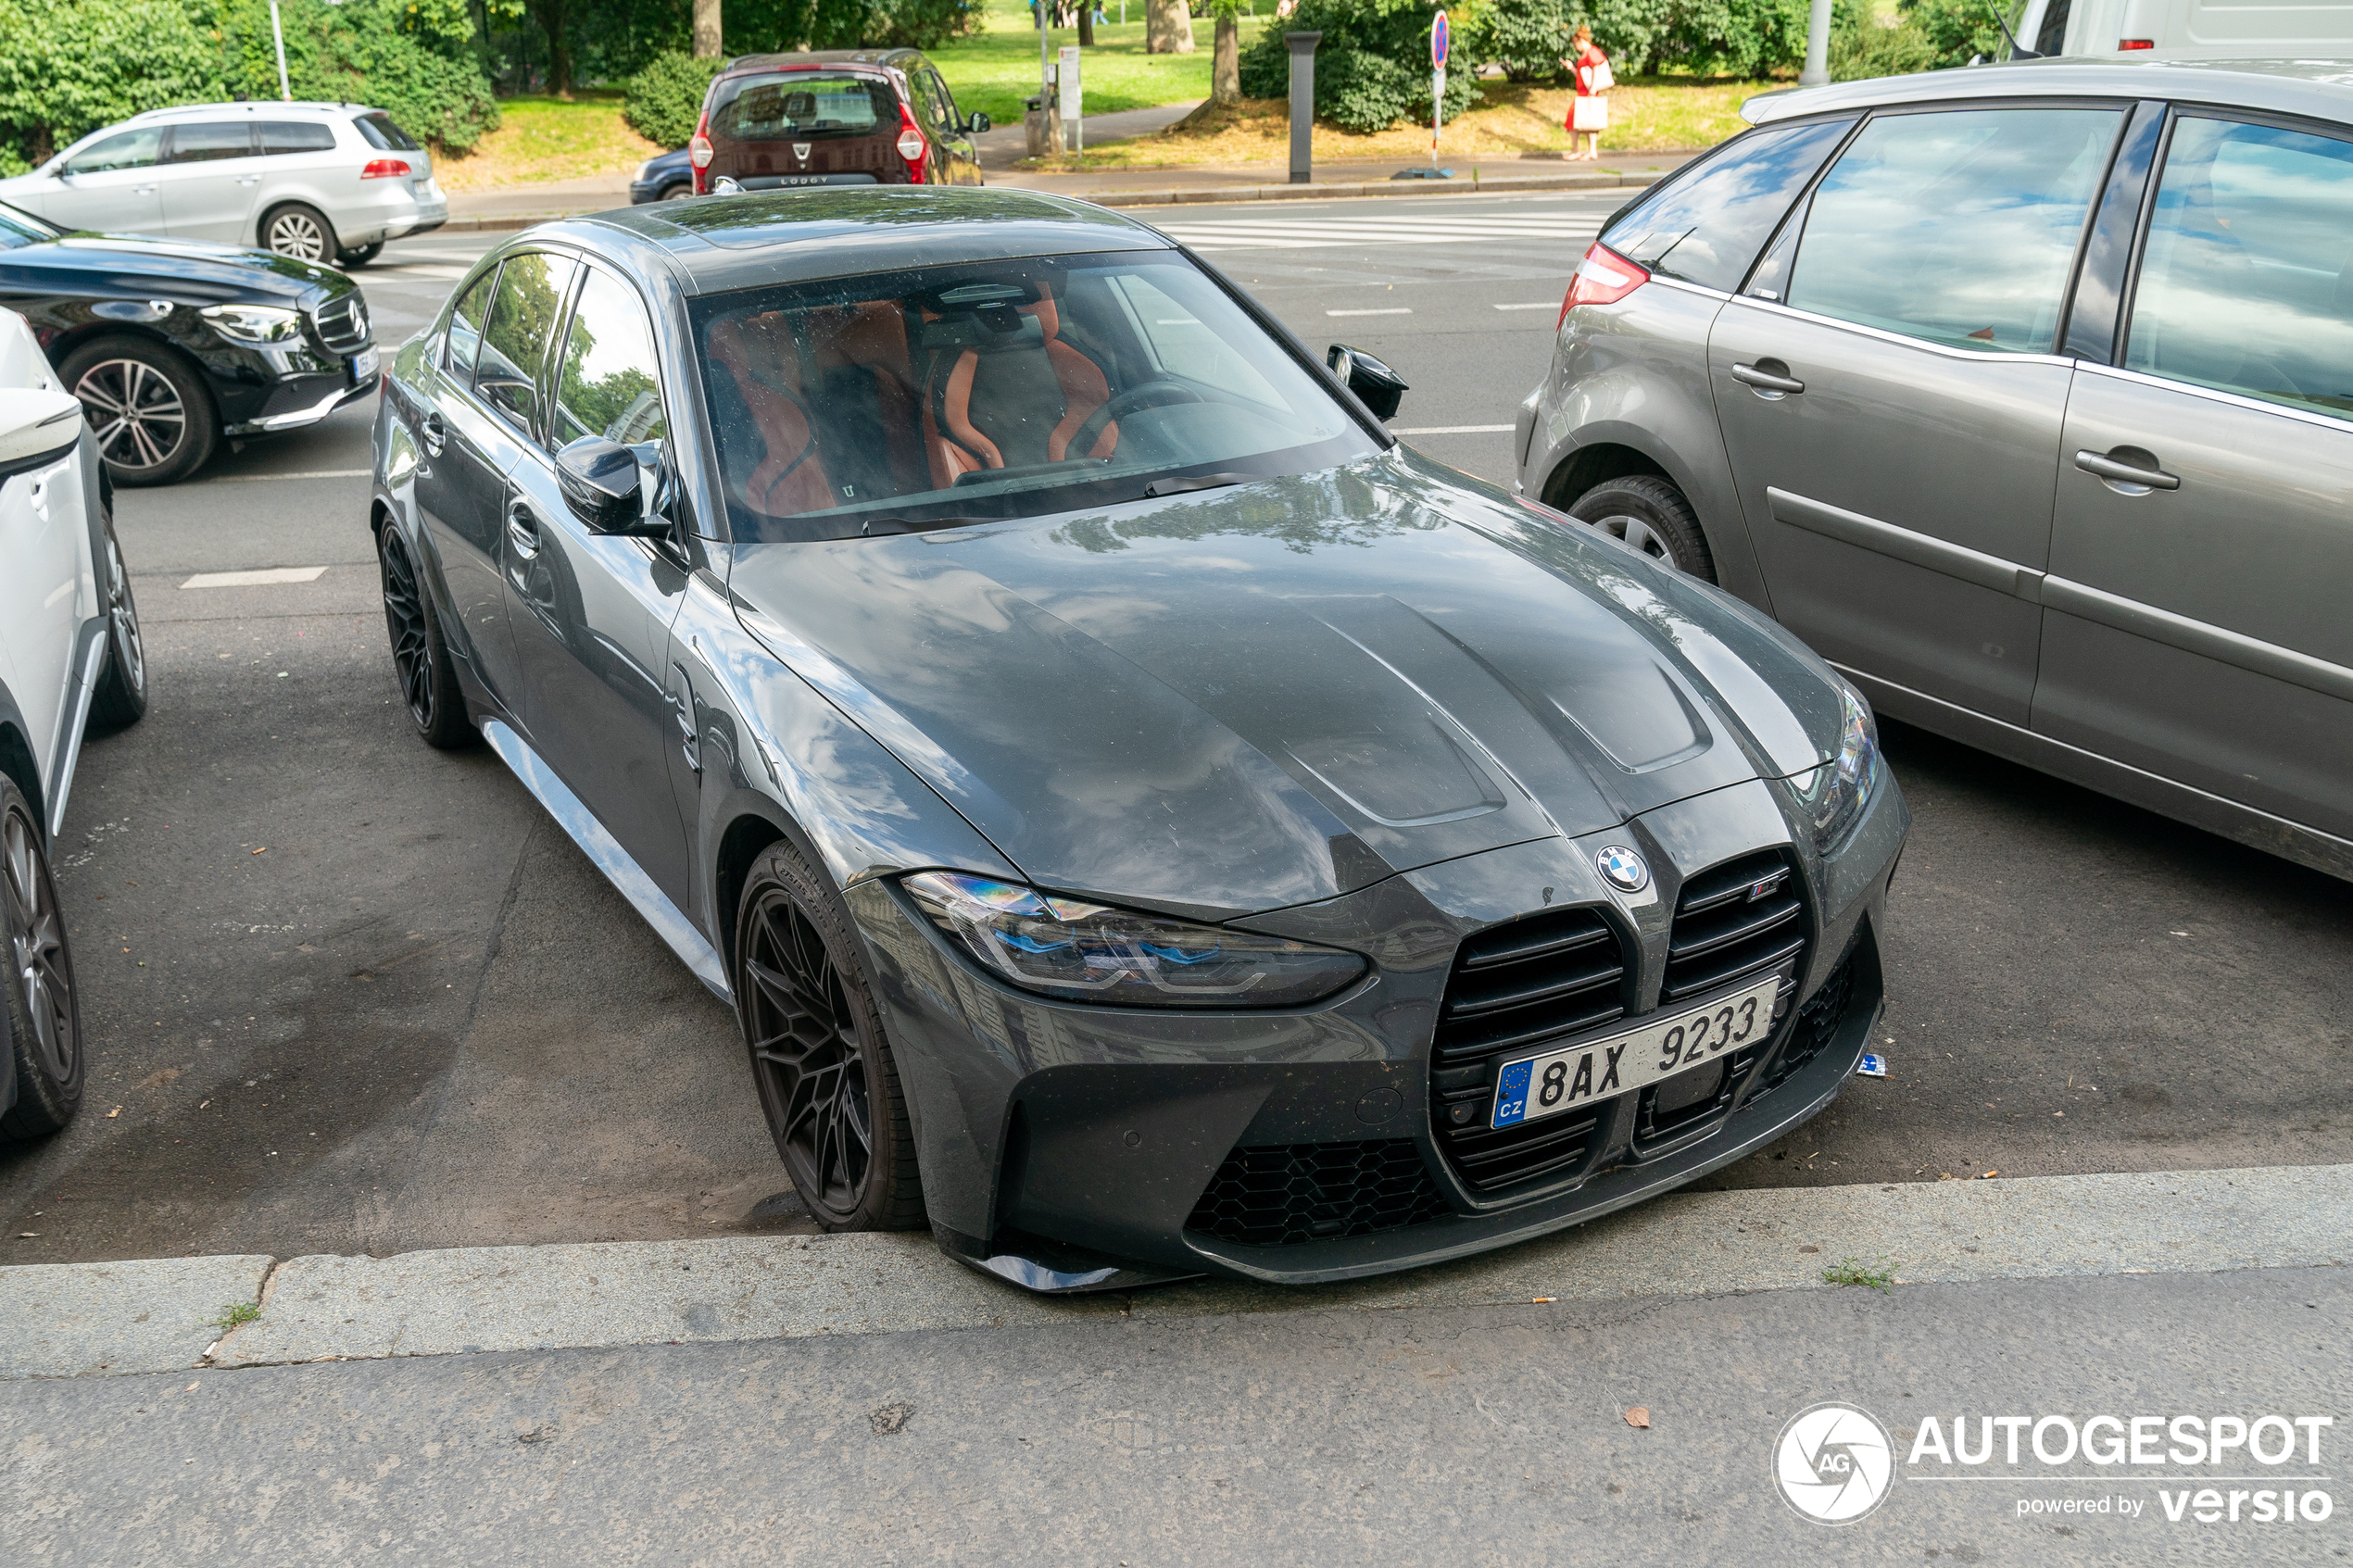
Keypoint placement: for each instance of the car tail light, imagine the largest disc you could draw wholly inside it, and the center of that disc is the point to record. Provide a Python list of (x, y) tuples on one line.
[(1602, 278), (911, 146), (699, 152), (386, 169), (2136, 43)]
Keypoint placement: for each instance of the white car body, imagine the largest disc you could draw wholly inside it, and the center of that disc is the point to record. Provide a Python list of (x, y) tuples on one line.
[(179, 173), (53, 616), (2201, 26)]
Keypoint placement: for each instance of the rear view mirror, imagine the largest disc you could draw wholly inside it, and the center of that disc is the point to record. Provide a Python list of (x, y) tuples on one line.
[(977, 124), (36, 428), (1376, 386), (598, 478)]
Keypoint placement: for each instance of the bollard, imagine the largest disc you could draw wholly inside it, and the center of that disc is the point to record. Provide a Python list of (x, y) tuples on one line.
[(1302, 104), (1033, 125)]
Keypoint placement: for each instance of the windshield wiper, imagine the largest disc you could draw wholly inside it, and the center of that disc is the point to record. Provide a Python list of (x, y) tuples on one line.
[(1178, 487), (876, 528)]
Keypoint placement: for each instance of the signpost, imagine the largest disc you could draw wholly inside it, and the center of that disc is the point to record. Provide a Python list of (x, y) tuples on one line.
[(1068, 80), (1440, 35)]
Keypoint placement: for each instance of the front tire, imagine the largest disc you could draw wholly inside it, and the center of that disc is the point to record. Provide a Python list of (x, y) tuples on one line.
[(1650, 515), (299, 232), (150, 408), (826, 1079), (349, 260), (121, 697), (420, 660), (38, 999)]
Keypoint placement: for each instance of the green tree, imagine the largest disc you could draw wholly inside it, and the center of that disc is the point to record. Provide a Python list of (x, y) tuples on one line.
[(68, 67), (1372, 68)]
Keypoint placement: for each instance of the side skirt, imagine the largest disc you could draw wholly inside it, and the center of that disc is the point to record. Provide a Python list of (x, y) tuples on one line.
[(669, 922), (75, 718)]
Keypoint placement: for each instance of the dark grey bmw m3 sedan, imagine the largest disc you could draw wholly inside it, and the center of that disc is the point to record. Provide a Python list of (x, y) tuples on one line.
[(1148, 823)]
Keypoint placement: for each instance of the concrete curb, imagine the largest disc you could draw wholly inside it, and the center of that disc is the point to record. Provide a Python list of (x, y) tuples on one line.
[(75, 1320), (119, 1318), (1604, 180)]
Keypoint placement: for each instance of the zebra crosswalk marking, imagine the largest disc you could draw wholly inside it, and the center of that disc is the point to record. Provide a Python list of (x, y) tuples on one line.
[(1298, 234)]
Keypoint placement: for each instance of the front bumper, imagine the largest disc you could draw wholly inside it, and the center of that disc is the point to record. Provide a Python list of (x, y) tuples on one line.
[(302, 400), (1068, 1147)]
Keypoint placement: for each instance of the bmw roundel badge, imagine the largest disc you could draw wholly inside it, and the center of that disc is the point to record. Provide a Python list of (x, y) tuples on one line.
[(1627, 871)]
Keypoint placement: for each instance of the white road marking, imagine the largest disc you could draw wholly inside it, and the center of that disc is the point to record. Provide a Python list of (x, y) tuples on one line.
[(261, 579), (1303, 233), (1532, 304), (1386, 311), (1448, 430), (306, 474), (419, 269)]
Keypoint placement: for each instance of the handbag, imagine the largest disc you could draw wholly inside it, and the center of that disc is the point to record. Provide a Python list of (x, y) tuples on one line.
[(1589, 114), (1603, 80)]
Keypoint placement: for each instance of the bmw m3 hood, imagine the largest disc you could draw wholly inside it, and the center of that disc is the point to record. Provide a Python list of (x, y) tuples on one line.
[(1239, 699)]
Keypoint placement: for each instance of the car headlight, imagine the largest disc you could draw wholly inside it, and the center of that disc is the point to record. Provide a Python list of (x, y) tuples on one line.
[(1834, 793), (645, 172), (1084, 952), (255, 323)]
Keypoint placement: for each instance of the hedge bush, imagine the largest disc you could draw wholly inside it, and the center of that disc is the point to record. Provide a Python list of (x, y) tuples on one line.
[(1372, 69), (67, 67), (361, 51), (665, 99)]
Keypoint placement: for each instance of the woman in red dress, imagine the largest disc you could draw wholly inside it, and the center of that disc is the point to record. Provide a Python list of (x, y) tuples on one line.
[(1589, 116)]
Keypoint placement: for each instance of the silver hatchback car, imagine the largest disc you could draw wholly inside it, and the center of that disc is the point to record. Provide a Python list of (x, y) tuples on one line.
[(2024, 395), (324, 182)]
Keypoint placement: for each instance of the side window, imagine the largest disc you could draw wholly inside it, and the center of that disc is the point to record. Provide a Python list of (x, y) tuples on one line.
[(2248, 281), (926, 97), (128, 149), (1957, 227), (1178, 340), (1705, 226), (203, 144), (610, 384), (514, 340), (953, 121), (283, 136), (465, 326)]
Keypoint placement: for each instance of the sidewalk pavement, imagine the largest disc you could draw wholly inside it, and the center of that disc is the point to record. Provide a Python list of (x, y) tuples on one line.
[(112, 1318)]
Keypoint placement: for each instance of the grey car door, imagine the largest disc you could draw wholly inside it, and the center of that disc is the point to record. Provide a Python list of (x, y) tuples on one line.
[(591, 612), (210, 176), (1891, 400), (2202, 549), (112, 185), (470, 441)]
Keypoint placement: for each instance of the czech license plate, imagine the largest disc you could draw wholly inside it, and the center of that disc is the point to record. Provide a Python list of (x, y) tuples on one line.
[(363, 364), (1538, 1087)]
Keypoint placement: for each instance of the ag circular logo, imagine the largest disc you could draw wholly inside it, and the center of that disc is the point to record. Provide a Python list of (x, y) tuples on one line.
[(1835, 1463), (1627, 871)]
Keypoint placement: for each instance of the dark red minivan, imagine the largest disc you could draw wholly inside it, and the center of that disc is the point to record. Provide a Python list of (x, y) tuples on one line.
[(837, 116)]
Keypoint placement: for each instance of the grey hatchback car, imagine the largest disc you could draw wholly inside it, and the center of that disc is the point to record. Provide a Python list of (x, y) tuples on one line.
[(2022, 395)]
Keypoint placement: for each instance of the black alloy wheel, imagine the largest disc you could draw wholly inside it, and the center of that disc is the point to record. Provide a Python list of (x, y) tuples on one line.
[(148, 408), (121, 697), (42, 1008), (420, 658), (826, 1076)]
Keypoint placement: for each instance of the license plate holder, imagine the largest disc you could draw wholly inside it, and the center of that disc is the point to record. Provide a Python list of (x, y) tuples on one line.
[(1673, 1040), (363, 364)]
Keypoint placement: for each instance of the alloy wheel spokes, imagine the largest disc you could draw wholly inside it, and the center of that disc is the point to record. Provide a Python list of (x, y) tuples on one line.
[(135, 411), (37, 950), (404, 617), (805, 1045), (124, 612)]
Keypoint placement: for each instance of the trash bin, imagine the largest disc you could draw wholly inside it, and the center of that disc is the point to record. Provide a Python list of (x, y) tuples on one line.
[(1034, 128)]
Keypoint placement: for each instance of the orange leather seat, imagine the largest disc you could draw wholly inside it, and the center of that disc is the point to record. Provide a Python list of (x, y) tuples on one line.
[(759, 355), (1013, 407)]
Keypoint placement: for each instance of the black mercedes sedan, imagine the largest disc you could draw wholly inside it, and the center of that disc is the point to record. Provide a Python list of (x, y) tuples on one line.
[(175, 345), (1148, 823)]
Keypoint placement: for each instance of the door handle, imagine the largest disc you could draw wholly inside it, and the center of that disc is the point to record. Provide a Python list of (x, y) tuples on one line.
[(436, 434), (2123, 473), (248, 178), (522, 529), (1769, 378)]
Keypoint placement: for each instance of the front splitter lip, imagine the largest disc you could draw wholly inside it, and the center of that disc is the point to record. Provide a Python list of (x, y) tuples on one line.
[(1807, 1093)]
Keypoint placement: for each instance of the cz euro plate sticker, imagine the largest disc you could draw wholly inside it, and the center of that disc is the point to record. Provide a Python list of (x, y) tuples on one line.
[(1538, 1087)]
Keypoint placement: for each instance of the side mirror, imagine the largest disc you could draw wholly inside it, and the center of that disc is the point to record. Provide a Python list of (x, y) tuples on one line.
[(36, 428), (1376, 385), (978, 123), (598, 478)]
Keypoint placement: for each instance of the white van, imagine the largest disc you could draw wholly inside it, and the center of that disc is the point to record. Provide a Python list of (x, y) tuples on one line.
[(2210, 27)]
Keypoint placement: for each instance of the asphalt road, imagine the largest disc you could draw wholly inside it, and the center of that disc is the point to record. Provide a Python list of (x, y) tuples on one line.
[(1485, 1436), (348, 994)]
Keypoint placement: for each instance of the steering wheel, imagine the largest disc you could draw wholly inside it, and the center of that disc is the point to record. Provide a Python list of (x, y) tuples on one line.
[(1151, 393)]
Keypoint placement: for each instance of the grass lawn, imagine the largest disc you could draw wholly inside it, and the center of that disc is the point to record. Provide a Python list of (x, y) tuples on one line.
[(994, 70), (1646, 113), (544, 139)]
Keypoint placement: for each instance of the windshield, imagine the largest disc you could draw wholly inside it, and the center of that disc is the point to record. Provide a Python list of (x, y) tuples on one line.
[(1000, 389), (802, 102), (23, 229)]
